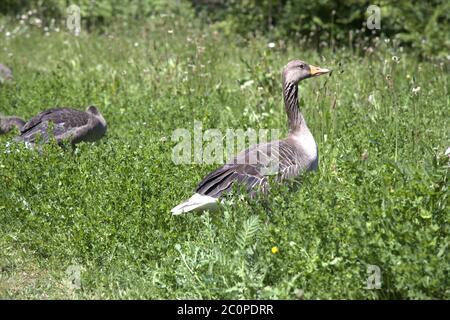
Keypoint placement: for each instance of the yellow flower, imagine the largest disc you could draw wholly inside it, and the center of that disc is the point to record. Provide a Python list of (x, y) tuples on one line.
[(274, 250)]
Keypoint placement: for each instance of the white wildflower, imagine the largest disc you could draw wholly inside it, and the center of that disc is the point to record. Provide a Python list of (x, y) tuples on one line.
[(247, 84), (7, 148), (416, 90), (37, 22)]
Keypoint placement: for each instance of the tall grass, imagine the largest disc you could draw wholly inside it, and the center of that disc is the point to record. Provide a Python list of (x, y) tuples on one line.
[(380, 196)]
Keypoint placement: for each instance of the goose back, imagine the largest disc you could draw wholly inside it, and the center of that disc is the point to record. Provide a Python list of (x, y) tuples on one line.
[(67, 123), (283, 159)]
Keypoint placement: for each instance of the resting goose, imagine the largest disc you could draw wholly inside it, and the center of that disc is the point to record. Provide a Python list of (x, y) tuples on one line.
[(68, 125), (252, 167), (5, 73), (7, 123)]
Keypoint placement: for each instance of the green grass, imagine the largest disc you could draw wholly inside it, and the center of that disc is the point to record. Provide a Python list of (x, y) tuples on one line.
[(106, 207)]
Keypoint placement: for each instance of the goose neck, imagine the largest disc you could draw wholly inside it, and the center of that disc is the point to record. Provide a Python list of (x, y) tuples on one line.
[(295, 117)]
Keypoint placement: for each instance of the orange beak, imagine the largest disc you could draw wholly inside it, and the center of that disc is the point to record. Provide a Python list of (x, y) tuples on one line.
[(316, 71)]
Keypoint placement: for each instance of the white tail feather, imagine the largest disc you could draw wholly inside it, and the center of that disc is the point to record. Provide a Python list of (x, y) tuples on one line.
[(197, 202)]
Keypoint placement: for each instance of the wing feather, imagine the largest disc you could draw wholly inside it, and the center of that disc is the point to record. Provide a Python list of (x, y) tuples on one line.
[(65, 123), (251, 168)]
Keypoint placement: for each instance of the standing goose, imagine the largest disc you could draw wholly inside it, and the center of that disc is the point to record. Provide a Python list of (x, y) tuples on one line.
[(68, 125), (7, 123), (252, 167)]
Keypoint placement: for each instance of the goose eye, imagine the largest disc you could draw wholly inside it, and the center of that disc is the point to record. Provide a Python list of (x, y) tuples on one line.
[(302, 66)]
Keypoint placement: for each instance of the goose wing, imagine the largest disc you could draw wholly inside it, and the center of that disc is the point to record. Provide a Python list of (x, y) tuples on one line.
[(65, 121), (252, 169)]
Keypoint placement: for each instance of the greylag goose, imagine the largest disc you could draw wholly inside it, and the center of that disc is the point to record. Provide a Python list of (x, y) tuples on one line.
[(68, 125), (291, 156), (5, 73), (7, 123)]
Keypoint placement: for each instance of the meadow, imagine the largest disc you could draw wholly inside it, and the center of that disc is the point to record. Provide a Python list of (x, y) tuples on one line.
[(379, 198)]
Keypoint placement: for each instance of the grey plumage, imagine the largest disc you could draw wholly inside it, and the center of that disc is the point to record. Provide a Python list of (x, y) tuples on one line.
[(284, 159), (64, 124), (5, 73), (7, 123)]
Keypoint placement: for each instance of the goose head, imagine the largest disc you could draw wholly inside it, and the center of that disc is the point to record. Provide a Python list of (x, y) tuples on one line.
[(97, 123), (93, 110), (96, 113), (298, 70)]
